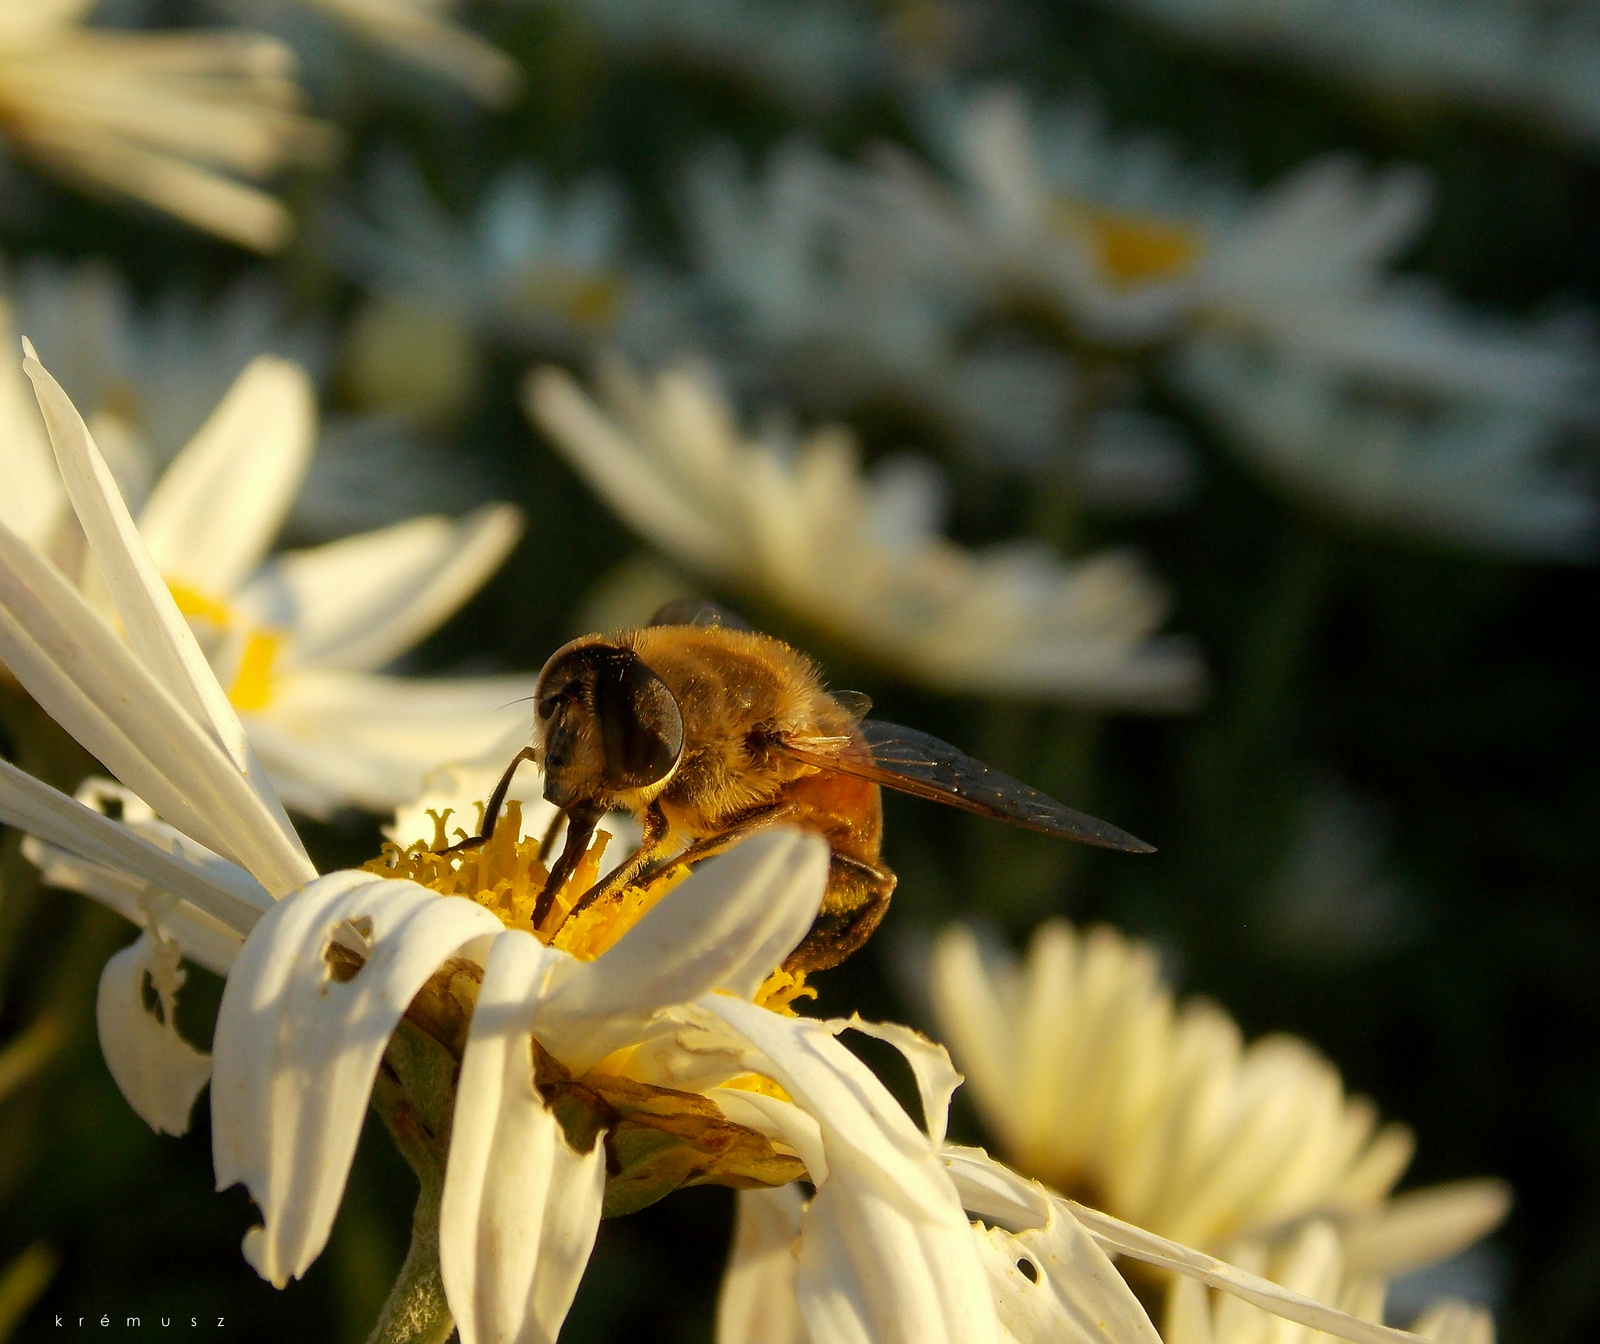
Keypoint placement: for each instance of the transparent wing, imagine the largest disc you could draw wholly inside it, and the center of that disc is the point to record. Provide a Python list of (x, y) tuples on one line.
[(914, 762)]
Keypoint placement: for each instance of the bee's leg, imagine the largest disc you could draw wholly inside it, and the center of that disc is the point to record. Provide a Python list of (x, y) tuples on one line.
[(491, 809), (855, 903), (652, 847), (548, 842), (643, 857), (581, 821)]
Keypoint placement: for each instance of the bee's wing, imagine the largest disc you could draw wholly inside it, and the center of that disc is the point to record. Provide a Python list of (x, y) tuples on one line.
[(698, 611), (915, 763)]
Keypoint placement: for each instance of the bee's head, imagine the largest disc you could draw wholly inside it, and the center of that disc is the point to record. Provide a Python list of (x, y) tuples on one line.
[(606, 723)]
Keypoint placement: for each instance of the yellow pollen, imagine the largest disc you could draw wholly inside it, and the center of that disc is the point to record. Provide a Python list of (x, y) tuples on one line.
[(505, 876), (780, 989), (1133, 249), (195, 605), (754, 1082), (252, 686)]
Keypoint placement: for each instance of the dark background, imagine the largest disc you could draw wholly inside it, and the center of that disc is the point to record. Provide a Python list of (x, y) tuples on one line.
[(1453, 694)]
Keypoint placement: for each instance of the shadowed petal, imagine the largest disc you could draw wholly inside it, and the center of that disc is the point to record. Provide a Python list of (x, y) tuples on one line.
[(520, 1208), (158, 1071), (757, 1304), (297, 1051)]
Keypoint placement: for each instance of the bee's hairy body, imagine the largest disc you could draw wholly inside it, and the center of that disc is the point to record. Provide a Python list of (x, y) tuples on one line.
[(739, 694)]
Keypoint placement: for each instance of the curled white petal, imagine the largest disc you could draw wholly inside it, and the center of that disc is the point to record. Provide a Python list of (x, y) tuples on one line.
[(730, 922), (158, 1071), (936, 1076), (886, 1253), (297, 1051), (520, 1208), (757, 1304), (1054, 1285)]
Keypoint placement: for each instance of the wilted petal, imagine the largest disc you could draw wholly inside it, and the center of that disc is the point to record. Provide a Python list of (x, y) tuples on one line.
[(520, 1208), (757, 1304), (158, 1071), (886, 1252), (936, 1076), (730, 922), (213, 514), (1054, 1285), (296, 1050)]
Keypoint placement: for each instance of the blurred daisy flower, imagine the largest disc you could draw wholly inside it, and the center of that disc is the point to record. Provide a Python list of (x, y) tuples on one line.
[(296, 639), (1523, 58), (1090, 1079), (798, 525), (1277, 312), (544, 270), (813, 55), (420, 33), (1309, 1261), (828, 313), (173, 119)]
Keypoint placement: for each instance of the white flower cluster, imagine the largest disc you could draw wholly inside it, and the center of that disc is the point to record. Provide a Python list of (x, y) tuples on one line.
[(903, 1238)]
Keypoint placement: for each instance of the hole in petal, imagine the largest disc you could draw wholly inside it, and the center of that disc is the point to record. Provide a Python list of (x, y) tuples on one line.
[(1028, 1270), (150, 997), (348, 947)]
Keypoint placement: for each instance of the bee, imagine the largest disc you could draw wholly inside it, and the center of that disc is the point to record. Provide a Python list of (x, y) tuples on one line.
[(707, 731)]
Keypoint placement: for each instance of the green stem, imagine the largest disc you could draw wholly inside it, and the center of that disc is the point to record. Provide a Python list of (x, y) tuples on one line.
[(416, 1311)]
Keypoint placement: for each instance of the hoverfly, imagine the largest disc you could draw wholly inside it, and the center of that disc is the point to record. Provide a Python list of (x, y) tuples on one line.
[(707, 731)]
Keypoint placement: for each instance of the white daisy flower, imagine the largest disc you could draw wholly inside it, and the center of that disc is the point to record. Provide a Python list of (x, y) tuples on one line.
[(421, 33), (832, 313), (173, 119), (797, 525), (814, 54), (541, 269), (1091, 1079), (1506, 54), (1310, 1261), (296, 639), (321, 970), (1278, 312)]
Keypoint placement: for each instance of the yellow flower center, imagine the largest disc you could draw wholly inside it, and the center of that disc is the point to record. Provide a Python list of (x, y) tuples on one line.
[(586, 299), (212, 621), (197, 606), (1132, 249), (506, 876)]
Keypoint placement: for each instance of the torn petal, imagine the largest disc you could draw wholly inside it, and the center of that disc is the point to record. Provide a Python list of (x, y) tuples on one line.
[(520, 1208), (297, 1050), (936, 1076), (1054, 1285), (757, 1304), (158, 1071)]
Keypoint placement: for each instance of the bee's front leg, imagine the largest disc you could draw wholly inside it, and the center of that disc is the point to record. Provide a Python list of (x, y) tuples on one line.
[(652, 847)]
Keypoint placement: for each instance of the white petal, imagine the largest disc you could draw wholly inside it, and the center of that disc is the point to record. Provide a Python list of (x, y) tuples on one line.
[(233, 897), (886, 1253), (995, 1193), (729, 923), (33, 503), (757, 1304), (1452, 1321), (936, 1076), (361, 602), (213, 515), (1125, 1239), (158, 1071), (1424, 1226), (154, 626), (1074, 1294), (332, 739), (521, 1208), (296, 1051), (86, 679)]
